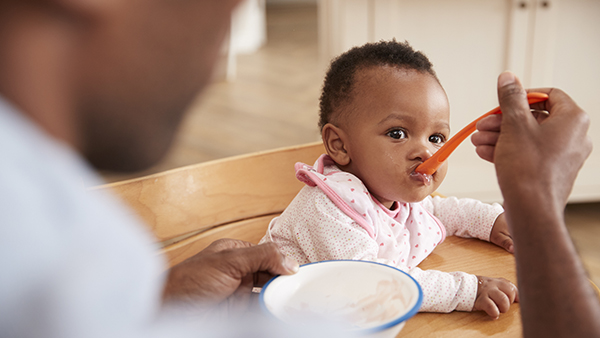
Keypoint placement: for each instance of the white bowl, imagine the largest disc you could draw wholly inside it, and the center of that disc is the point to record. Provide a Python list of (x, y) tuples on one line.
[(363, 298)]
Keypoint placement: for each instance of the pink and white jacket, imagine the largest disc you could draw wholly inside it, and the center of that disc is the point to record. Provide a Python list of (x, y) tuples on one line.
[(335, 217)]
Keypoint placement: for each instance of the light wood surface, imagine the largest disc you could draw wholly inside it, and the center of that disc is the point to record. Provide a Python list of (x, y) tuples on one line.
[(479, 258)]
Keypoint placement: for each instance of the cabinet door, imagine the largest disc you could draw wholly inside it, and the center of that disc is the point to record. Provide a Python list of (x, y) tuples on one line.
[(566, 55), (343, 24)]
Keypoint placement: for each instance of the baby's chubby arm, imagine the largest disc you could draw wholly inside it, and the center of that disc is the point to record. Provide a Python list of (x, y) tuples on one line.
[(466, 217), (460, 291), (446, 291)]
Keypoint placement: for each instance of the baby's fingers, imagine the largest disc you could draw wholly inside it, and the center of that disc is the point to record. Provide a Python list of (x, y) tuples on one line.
[(501, 300), (487, 304), (510, 290)]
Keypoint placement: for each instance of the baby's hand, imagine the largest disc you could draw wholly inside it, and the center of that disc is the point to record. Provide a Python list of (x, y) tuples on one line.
[(500, 234), (494, 295)]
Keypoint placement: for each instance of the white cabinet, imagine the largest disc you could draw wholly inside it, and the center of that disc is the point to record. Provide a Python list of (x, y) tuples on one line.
[(470, 42)]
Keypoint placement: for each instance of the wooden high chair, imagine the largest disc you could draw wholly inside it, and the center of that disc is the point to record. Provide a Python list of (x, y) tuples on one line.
[(190, 207)]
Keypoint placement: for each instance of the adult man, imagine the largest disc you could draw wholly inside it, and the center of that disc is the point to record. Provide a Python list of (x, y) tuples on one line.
[(100, 82)]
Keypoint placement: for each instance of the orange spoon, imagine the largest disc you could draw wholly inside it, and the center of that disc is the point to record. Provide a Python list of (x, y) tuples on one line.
[(432, 164)]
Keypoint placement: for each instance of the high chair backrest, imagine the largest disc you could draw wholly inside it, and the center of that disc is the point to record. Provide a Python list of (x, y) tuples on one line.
[(190, 207)]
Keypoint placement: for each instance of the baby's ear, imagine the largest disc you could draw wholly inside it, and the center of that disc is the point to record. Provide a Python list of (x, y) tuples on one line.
[(334, 141)]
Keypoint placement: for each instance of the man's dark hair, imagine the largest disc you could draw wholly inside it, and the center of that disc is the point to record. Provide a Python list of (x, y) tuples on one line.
[(339, 79)]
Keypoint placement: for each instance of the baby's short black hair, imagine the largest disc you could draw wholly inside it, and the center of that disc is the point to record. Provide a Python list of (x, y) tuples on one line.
[(339, 79)]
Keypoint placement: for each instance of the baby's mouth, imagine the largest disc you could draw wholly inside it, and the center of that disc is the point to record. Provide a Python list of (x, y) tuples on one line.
[(421, 177)]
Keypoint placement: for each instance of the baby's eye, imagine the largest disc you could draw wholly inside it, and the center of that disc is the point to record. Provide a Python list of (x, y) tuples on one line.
[(396, 134), (437, 139)]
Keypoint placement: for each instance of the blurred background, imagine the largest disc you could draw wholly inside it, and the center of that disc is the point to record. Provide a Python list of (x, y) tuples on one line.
[(267, 85)]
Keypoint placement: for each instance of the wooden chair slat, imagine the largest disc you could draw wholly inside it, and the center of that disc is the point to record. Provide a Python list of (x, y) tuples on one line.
[(250, 230), (202, 196)]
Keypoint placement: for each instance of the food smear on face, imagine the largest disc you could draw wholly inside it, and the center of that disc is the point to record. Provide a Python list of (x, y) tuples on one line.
[(421, 177), (385, 304)]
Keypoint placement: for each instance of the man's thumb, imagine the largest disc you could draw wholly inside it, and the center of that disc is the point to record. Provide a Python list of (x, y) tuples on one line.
[(512, 98)]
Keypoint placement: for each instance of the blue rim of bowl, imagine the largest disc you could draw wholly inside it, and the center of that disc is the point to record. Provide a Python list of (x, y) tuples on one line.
[(413, 311)]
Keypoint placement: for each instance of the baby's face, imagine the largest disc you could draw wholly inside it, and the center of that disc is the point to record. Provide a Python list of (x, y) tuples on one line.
[(398, 118)]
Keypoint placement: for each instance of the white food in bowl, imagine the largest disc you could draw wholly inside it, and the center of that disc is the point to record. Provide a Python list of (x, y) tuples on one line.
[(360, 296)]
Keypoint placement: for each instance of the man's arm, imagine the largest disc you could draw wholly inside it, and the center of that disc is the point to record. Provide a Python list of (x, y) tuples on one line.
[(537, 160)]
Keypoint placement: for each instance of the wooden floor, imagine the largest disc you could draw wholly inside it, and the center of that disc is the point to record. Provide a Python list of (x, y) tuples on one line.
[(274, 103)]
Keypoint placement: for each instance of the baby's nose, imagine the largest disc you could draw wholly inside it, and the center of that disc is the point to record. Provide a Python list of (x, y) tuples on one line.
[(421, 153)]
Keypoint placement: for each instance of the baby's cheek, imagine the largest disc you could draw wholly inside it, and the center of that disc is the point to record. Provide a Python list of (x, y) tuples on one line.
[(438, 178), (440, 174)]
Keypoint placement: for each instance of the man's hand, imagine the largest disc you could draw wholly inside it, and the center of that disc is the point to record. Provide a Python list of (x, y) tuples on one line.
[(225, 271), (535, 155), (537, 159)]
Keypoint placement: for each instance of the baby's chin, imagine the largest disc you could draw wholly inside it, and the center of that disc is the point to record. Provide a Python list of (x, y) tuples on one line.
[(410, 194), (415, 197)]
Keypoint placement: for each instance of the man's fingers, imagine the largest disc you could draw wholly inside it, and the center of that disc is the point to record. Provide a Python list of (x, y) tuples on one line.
[(261, 278), (560, 106), (490, 123), (540, 115), (485, 138), (265, 257), (486, 152), (226, 244), (543, 104), (513, 99)]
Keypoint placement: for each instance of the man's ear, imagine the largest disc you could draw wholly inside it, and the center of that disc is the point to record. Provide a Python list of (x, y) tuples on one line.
[(334, 140)]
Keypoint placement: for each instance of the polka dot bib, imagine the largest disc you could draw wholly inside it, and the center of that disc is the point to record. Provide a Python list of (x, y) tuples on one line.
[(406, 234)]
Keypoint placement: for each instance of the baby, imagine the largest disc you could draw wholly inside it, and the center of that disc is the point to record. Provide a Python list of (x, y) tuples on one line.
[(384, 112)]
